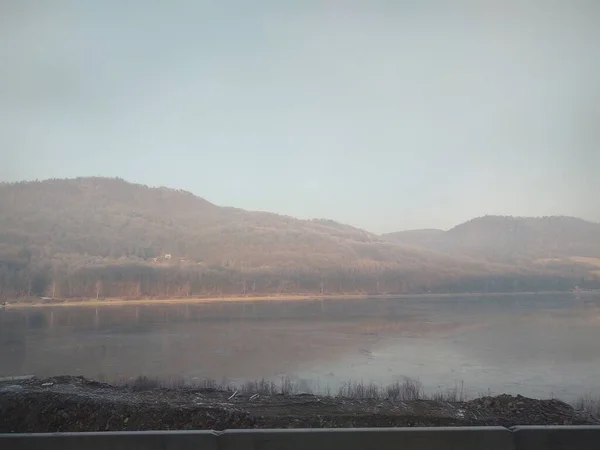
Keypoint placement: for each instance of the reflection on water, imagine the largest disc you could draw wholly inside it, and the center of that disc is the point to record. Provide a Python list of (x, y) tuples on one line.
[(534, 345)]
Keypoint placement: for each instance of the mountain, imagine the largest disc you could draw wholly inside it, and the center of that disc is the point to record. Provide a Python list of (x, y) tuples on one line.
[(112, 219), (523, 238), (559, 243), (106, 237), (512, 239)]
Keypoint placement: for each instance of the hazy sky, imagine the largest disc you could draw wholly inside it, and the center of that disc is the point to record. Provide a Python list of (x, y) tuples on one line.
[(386, 115)]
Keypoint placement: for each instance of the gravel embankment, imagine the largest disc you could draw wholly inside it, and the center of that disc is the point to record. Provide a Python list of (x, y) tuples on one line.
[(78, 404)]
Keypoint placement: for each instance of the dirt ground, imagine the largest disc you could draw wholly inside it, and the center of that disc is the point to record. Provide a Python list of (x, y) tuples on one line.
[(77, 404)]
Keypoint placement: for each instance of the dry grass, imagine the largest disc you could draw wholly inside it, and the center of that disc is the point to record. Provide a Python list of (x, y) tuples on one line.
[(360, 390), (263, 387), (589, 403), (406, 390), (455, 394), (144, 383)]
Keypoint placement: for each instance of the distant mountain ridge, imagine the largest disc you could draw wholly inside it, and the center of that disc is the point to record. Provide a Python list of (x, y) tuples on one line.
[(511, 239), (112, 218), (105, 236)]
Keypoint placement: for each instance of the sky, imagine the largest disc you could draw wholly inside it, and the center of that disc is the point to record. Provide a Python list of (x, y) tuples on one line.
[(387, 115)]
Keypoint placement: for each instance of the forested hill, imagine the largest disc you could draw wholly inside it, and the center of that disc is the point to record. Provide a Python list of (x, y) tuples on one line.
[(89, 219), (102, 237), (512, 240)]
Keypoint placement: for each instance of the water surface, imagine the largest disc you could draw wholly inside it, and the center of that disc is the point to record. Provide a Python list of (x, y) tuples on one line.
[(535, 345)]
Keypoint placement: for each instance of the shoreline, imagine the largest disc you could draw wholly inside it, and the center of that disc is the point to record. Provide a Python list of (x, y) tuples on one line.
[(279, 298), (86, 405)]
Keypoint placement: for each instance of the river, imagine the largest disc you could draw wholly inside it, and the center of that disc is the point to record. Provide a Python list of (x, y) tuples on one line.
[(535, 345)]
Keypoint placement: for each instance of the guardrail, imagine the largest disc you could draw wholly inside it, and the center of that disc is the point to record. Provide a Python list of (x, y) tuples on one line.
[(455, 438)]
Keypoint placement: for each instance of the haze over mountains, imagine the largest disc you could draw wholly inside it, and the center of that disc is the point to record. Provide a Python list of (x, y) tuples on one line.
[(102, 237), (511, 239)]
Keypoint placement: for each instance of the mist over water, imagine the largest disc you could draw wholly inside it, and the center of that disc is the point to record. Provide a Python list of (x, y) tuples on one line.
[(534, 345)]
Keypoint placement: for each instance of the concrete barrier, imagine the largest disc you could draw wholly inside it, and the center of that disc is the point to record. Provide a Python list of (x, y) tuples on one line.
[(449, 438), (483, 438), (557, 438), (119, 440)]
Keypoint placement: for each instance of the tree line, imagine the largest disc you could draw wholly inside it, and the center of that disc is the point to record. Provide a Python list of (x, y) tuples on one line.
[(19, 279)]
